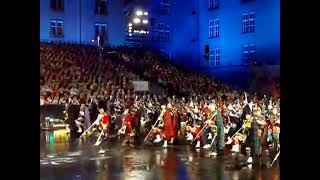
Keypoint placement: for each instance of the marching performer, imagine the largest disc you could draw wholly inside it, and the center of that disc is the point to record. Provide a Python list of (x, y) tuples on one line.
[(158, 131), (195, 124), (126, 129), (210, 128), (219, 143), (102, 122), (169, 131), (255, 136), (274, 129), (247, 123), (81, 120)]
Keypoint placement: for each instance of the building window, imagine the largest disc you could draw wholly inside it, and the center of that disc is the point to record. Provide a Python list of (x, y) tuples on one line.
[(163, 32), (248, 22), (100, 30), (101, 7), (56, 28), (57, 5), (245, 1), (251, 22), (248, 53), (214, 30), (213, 4), (252, 53), (165, 7), (214, 57)]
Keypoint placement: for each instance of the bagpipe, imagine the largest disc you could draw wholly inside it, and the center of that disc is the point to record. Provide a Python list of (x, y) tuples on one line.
[(247, 123)]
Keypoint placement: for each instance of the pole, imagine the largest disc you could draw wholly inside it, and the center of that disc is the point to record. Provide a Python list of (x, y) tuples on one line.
[(198, 133), (215, 135), (275, 158), (151, 130), (234, 134), (84, 133)]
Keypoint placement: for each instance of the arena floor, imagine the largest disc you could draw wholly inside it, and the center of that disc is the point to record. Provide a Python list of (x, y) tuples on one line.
[(62, 159)]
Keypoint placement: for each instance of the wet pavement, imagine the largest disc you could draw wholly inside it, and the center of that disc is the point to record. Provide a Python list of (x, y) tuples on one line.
[(62, 159)]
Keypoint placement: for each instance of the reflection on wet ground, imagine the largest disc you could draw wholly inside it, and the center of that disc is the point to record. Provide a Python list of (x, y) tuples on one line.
[(64, 160)]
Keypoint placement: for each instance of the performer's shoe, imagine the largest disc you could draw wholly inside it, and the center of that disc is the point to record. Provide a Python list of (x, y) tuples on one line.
[(158, 139), (198, 144), (102, 151), (79, 130), (207, 146), (229, 141), (171, 142), (165, 144), (209, 136), (235, 148), (121, 131), (249, 160), (214, 154), (189, 137)]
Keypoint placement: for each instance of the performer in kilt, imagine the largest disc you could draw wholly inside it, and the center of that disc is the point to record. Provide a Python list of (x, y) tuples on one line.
[(219, 143)]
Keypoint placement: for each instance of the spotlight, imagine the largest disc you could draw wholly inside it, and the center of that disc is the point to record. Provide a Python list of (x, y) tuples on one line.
[(139, 13), (130, 27), (136, 20), (130, 24), (130, 34), (92, 40), (147, 32), (145, 21), (145, 13), (129, 30)]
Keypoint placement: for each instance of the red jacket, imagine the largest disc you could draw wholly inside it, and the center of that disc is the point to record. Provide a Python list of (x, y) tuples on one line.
[(105, 119)]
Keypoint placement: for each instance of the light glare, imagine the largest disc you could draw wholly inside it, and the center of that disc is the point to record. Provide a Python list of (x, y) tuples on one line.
[(145, 21), (136, 20), (139, 13)]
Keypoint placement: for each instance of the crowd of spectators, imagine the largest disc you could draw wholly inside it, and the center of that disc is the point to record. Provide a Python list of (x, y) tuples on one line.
[(78, 74)]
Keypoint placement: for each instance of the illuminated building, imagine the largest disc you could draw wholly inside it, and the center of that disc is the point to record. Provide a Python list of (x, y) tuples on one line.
[(220, 37)]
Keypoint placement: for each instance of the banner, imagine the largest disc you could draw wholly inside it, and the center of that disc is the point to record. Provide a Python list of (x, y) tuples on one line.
[(140, 85)]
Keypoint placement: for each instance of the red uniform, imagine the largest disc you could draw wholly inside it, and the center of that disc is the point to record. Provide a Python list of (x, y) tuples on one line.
[(104, 122), (105, 119), (168, 126), (196, 132), (175, 123), (127, 122)]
